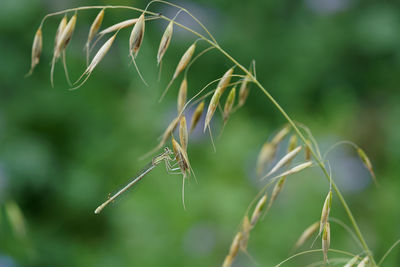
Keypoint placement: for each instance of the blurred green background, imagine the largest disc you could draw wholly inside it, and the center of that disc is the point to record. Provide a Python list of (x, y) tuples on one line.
[(332, 64)]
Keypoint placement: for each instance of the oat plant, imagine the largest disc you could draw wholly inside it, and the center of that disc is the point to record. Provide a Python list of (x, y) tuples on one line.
[(208, 101)]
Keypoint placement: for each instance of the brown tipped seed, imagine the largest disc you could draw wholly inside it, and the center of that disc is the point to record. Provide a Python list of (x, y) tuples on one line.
[(326, 240), (266, 154), (60, 29), (196, 116), (244, 90), (351, 262), (36, 49), (366, 162), (212, 107), (136, 38), (275, 192), (184, 60), (94, 28), (363, 262), (281, 135), (118, 26), (229, 103), (308, 150), (288, 157), (183, 133), (306, 235), (65, 36), (165, 40), (258, 210), (182, 95), (224, 82), (246, 227), (325, 211)]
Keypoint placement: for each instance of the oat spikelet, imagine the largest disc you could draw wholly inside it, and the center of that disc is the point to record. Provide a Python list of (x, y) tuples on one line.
[(225, 80), (228, 261), (244, 91), (165, 40), (60, 29), (36, 50), (118, 26), (267, 153), (229, 104), (96, 60), (281, 135), (196, 116), (275, 192), (351, 262), (183, 133), (212, 107), (308, 151), (325, 211), (234, 249), (258, 210), (288, 157), (326, 240), (182, 96), (62, 40), (246, 228), (367, 163), (135, 41), (363, 262), (94, 28), (292, 142), (293, 170), (183, 62), (306, 235)]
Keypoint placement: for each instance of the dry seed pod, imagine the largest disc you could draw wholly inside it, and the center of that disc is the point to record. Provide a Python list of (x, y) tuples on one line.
[(165, 40), (326, 240), (288, 157), (281, 135), (36, 50), (136, 38), (367, 163), (246, 227), (225, 80), (244, 91), (60, 29), (94, 28), (363, 262), (351, 262), (325, 211), (96, 60), (183, 133), (182, 95), (275, 192), (293, 170), (229, 103), (266, 154), (118, 26), (212, 107), (258, 210), (196, 116), (184, 61), (306, 235)]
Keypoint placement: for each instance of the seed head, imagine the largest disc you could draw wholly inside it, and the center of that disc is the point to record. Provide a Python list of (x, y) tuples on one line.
[(212, 107), (244, 91), (229, 103), (165, 40), (266, 154), (281, 135), (118, 26), (367, 163), (136, 37), (363, 262), (306, 235), (183, 133), (258, 210), (288, 157), (246, 228), (275, 192), (182, 95), (196, 116), (308, 150), (325, 211), (94, 28), (36, 50), (60, 29), (292, 142), (184, 61), (351, 262), (65, 36), (224, 82), (326, 240)]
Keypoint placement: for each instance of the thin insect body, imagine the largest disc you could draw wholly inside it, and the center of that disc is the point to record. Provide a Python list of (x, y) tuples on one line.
[(164, 157)]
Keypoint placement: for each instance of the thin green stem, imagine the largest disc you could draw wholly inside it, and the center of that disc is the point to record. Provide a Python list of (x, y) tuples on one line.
[(388, 252)]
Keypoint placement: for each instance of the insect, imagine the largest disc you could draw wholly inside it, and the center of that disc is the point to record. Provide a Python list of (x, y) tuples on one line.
[(166, 157)]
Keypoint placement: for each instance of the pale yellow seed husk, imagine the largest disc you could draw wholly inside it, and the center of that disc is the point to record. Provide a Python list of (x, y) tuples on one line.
[(308, 151), (229, 103), (325, 211), (212, 107), (36, 49), (281, 135), (292, 142), (60, 29), (184, 61), (351, 262), (165, 40), (136, 37), (225, 80), (275, 192), (306, 234), (246, 228), (94, 28), (183, 133), (366, 162), (182, 96), (244, 91), (65, 36), (288, 157), (234, 249), (326, 240), (100, 54), (196, 116), (118, 26), (266, 154), (363, 262), (258, 210), (228, 261)]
